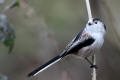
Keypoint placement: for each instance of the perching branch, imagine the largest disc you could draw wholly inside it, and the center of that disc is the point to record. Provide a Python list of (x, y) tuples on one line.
[(88, 9), (94, 69), (93, 58)]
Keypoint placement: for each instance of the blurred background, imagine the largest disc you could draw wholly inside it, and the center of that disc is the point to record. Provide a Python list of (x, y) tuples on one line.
[(44, 27)]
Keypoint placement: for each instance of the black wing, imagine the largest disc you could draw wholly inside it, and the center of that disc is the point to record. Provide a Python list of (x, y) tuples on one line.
[(74, 39), (80, 44), (77, 45), (78, 36)]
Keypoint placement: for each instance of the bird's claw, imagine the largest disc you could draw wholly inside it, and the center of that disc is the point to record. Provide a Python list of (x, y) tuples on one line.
[(94, 66)]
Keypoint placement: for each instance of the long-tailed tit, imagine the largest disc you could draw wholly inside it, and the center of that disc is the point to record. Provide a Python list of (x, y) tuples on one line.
[(87, 42)]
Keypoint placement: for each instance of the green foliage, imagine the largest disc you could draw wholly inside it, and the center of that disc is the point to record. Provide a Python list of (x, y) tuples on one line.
[(15, 4), (7, 35), (9, 41)]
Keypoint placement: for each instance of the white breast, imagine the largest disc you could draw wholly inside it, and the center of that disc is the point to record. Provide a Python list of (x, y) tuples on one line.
[(89, 50), (99, 39)]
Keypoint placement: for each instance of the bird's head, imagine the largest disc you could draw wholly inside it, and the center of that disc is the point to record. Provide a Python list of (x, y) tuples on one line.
[(96, 25)]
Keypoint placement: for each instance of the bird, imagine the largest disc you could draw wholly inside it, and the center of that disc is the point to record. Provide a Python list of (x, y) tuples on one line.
[(84, 44)]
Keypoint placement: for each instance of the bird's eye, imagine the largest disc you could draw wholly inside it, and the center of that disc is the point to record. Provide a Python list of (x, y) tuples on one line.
[(95, 22)]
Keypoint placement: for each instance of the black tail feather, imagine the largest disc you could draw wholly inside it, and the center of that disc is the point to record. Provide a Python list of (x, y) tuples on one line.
[(43, 66)]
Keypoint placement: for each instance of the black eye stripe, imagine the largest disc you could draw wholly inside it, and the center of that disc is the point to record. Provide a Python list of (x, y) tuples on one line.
[(96, 19), (105, 27)]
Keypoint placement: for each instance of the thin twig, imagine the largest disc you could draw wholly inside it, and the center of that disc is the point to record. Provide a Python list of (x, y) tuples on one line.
[(9, 6), (88, 9), (94, 69), (93, 58)]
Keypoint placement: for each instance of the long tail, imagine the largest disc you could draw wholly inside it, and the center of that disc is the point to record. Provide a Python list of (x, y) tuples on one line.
[(46, 65), (59, 57)]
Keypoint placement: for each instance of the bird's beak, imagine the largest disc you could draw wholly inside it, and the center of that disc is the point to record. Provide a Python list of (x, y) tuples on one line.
[(90, 22)]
